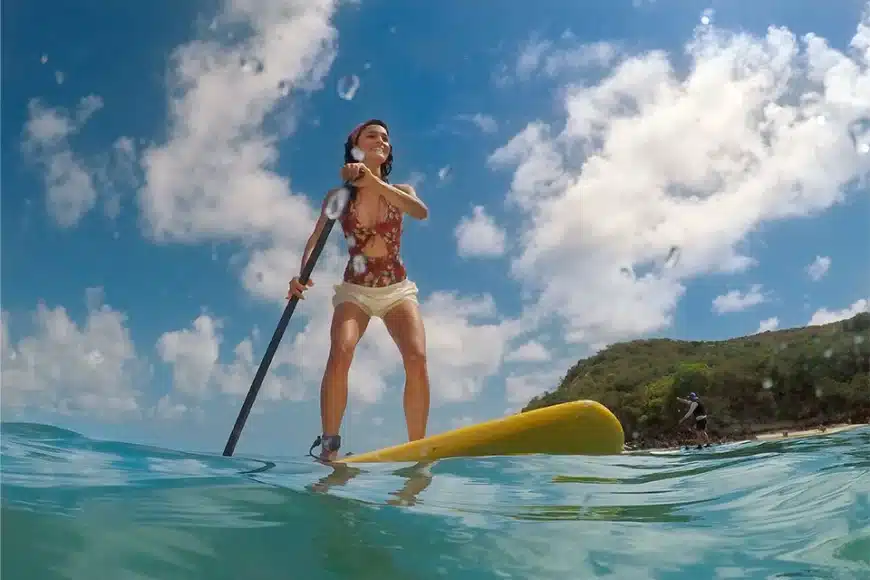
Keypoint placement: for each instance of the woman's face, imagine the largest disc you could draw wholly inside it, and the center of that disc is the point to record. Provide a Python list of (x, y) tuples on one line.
[(375, 144)]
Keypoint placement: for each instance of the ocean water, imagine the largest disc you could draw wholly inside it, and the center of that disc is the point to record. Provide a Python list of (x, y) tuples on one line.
[(76, 508)]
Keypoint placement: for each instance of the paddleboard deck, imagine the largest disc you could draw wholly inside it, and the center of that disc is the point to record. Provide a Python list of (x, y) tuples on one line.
[(573, 428)]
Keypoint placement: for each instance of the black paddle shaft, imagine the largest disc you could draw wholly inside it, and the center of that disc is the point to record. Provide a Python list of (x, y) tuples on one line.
[(276, 337)]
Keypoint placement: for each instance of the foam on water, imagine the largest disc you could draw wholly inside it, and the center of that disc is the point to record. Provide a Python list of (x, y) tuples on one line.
[(76, 508)]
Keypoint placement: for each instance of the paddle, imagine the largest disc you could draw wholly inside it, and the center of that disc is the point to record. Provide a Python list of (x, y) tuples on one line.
[(335, 206)]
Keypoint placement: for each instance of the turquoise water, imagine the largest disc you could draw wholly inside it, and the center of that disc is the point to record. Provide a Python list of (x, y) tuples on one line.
[(76, 508)]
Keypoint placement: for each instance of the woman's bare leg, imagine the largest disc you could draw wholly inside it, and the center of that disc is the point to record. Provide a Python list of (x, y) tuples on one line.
[(405, 325), (349, 323)]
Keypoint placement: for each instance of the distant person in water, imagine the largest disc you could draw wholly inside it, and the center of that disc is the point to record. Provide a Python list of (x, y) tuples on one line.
[(696, 409), (375, 282)]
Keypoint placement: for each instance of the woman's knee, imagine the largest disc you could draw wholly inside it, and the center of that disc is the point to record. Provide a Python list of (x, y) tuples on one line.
[(341, 351), (414, 354), (349, 323)]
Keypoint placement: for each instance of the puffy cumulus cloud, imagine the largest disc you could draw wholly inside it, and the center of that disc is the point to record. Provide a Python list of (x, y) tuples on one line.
[(73, 183), (484, 122), (825, 316), (817, 270), (520, 388), (650, 158), (737, 301), (532, 351), (554, 58), (194, 355), (479, 235), (466, 340), (768, 325), (213, 178), (68, 368), (70, 188)]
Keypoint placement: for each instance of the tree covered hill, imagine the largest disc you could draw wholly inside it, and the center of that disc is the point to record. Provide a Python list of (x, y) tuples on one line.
[(795, 377)]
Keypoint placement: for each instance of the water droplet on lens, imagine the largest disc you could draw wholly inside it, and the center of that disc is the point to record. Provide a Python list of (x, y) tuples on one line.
[(358, 264), (348, 86), (819, 392), (858, 339), (673, 257), (767, 383), (44, 59), (336, 203), (251, 65), (95, 357), (829, 353), (357, 154)]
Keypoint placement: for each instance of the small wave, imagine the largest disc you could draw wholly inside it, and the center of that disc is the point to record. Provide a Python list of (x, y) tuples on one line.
[(75, 507)]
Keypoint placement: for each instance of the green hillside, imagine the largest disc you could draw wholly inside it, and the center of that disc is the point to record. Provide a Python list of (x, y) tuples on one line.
[(783, 379)]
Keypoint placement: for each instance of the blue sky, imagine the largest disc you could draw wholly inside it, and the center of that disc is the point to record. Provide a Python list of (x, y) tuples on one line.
[(162, 165)]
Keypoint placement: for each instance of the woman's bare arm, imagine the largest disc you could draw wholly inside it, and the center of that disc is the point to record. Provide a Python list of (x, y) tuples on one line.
[(404, 197)]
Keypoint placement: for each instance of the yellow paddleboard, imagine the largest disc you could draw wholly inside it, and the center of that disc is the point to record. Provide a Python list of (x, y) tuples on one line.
[(575, 428)]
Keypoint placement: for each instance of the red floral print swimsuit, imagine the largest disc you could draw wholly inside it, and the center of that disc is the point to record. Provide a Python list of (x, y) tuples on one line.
[(374, 271)]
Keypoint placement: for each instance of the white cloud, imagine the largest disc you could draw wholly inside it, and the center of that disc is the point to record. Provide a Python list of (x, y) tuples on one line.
[(546, 57), (650, 158), (70, 188), (736, 301), (166, 409), (194, 355), (466, 340), (532, 351), (213, 178), (485, 123), (520, 388), (768, 325), (819, 268), (66, 368), (75, 184), (479, 235), (825, 316)]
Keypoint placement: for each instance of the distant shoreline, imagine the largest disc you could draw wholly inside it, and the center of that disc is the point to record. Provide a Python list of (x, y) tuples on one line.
[(766, 435)]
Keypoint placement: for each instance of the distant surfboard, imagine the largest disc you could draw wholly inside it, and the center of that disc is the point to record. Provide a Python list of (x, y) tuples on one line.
[(574, 428)]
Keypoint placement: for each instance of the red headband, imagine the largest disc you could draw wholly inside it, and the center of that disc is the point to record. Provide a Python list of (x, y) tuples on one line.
[(355, 133)]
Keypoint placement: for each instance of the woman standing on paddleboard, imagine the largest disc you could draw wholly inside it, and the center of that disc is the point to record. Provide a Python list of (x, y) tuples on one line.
[(375, 282)]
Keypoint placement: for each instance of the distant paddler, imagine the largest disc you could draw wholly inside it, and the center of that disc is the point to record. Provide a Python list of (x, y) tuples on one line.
[(696, 409)]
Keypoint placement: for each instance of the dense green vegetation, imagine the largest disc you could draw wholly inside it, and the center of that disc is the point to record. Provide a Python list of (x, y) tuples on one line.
[(785, 379)]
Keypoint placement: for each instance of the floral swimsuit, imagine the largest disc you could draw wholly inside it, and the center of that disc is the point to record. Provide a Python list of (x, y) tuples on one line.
[(374, 271)]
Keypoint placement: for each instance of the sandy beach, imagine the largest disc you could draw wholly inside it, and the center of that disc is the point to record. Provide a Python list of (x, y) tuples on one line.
[(827, 430), (775, 435)]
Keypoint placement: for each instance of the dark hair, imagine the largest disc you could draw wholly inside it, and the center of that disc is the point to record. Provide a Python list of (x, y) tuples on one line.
[(353, 139)]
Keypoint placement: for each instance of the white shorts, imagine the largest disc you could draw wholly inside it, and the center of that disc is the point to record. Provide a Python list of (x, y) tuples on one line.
[(375, 301)]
